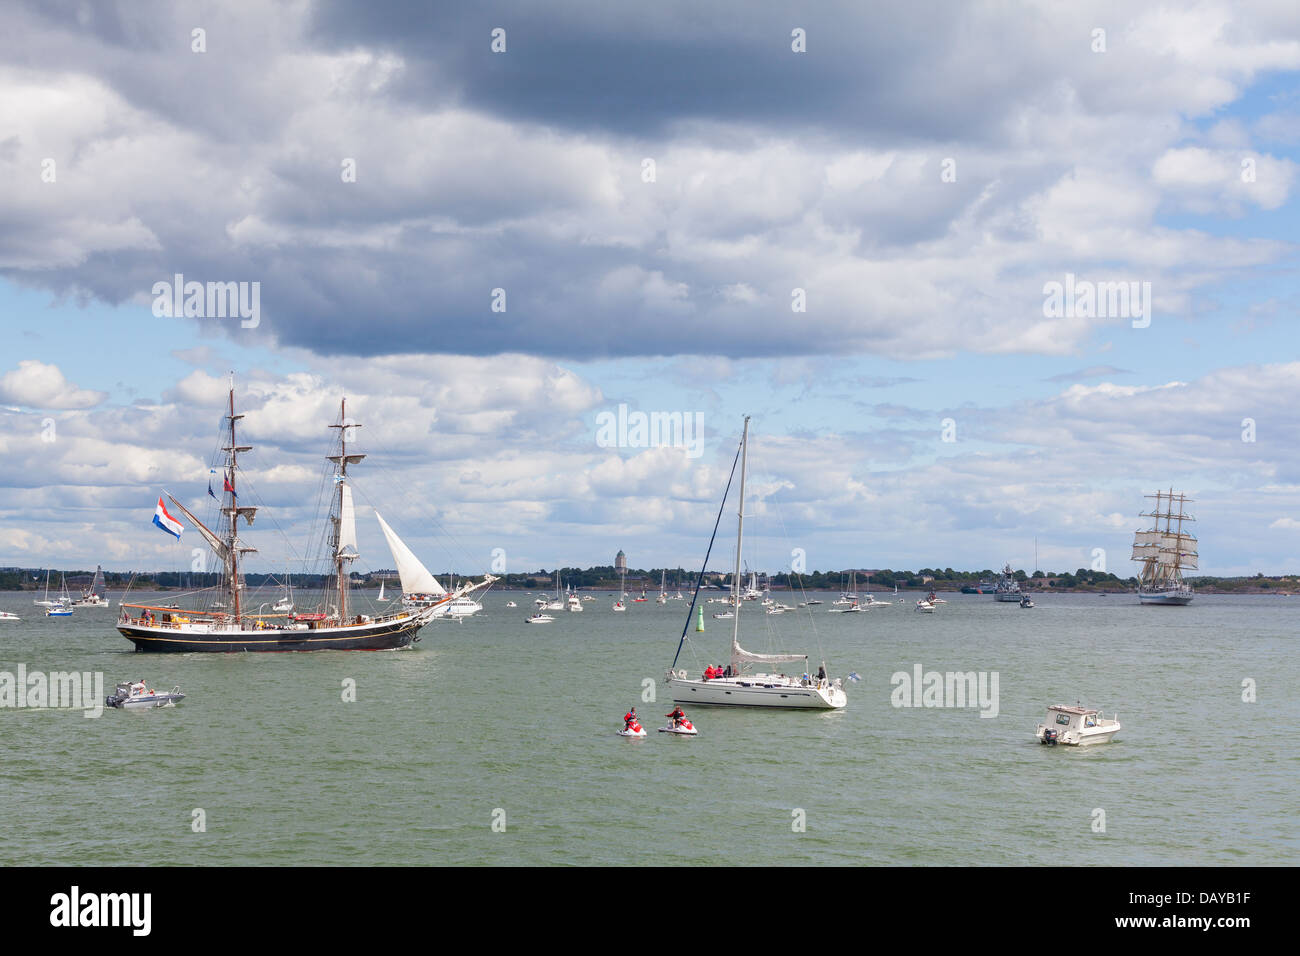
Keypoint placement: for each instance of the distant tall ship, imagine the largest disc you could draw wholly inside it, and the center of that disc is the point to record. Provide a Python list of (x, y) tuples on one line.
[(1165, 551), (231, 625)]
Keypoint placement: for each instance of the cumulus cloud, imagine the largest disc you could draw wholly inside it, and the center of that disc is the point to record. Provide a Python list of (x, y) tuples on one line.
[(34, 384)]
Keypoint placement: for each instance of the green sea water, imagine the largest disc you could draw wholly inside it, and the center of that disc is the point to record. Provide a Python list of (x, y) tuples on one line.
[(494, 742)]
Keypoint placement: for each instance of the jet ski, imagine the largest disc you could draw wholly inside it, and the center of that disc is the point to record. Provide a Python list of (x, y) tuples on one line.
[(135, 695), (635, 730), (683, 727)]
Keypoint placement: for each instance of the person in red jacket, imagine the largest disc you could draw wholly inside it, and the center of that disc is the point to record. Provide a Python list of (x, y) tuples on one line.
[(676, 717), (629, 719), (710, 673)]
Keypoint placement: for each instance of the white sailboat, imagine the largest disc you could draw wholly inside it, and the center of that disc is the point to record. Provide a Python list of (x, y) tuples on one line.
[(46, 602), (744, 684), (382, 599), (663, 594), (285, 604)]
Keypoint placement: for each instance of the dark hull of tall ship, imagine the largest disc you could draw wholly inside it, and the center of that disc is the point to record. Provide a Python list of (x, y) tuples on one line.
[(379, 636)]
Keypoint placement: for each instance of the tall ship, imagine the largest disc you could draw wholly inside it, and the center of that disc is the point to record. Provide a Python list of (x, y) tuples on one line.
[(230, 623), (1165, 550), (1008, 588)]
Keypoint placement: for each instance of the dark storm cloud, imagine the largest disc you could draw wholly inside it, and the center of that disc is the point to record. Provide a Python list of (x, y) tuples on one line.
[(880, 73)]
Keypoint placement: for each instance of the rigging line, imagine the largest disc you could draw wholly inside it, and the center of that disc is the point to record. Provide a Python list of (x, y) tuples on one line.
[(699, 579), (442, 535)]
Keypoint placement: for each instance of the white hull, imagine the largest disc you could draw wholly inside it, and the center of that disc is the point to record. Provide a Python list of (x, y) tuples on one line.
[(761, 690), (1173, 599)]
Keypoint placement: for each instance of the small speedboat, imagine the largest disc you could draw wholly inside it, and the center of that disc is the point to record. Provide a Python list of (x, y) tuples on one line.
[(59, 610), (136, 695), (681, 727), (723, 616), (6, 616), (1025, 602), (511, 604), (1076, 726), (539, 619), (925, 607), (632, 730)]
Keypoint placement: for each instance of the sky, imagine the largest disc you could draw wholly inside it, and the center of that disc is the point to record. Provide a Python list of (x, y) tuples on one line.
[(489, 226)]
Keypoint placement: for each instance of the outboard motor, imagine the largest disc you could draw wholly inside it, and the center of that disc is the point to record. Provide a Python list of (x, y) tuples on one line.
[(1050, 737)]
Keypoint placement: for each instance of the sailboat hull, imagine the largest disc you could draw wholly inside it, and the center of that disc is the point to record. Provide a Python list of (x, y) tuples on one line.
[(376, 636), (756, 692), (1172, 598)]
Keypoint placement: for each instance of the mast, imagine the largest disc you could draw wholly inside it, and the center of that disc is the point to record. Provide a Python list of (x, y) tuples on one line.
[(345, 531), (232, 510), (740, 536)]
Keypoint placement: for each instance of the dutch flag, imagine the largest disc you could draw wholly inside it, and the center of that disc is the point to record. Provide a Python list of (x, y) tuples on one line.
[(165, 521)]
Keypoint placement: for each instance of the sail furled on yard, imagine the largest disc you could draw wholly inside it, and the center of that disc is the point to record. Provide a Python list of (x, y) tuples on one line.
[(415, 577)]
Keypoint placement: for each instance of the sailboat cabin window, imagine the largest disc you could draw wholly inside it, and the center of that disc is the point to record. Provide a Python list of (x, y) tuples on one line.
[(1063, 719)]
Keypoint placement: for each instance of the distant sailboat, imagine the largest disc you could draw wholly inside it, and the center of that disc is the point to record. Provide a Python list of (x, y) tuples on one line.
[(381, 599), (94, 595)]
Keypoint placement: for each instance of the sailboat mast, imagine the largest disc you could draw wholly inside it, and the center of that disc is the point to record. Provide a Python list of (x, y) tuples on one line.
[(740, 536), (232, 509)]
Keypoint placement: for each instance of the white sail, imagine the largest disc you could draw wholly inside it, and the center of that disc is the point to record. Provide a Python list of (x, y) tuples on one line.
[(415, 577), (741, 656), (347, 524)]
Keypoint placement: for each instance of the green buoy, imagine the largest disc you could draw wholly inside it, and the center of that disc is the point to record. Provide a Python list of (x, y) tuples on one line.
[(699, 625)]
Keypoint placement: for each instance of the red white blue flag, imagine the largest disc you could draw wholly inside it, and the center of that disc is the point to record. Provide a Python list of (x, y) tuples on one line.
[(165, 521)]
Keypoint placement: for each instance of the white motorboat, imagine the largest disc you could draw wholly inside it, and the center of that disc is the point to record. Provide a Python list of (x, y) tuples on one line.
[(539, 618), (925, 607), (511, 604), (743, 684), (136, 695), (1076, 726), (59, 610), (1025, 601), (6, 616), (575, 604), (852, 608), (462, 607), (723, 616)]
